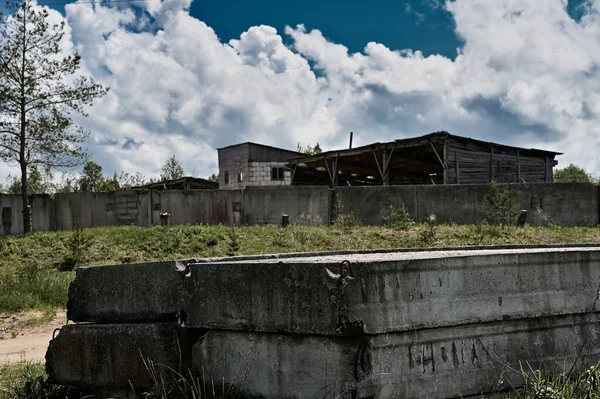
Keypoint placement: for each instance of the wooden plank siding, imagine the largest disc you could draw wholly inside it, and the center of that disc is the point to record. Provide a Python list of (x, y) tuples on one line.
[(474, 163)]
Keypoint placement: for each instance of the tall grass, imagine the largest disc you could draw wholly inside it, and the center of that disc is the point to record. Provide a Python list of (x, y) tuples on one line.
[(29, 381), (32, 286), (558, 385), (29, 263)]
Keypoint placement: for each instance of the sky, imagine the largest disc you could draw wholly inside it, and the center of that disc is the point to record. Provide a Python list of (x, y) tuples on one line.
[(188, 77)]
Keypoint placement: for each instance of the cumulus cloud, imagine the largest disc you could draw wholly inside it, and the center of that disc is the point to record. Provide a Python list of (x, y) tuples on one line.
[(528, 75)]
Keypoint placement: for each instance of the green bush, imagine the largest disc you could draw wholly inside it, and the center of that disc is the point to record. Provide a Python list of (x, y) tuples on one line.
[(498, 208), (233, 243), (341, 218), (78, 244), (429, 230), (398, 217)]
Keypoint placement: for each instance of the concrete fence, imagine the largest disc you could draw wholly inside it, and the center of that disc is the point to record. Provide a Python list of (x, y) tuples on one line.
[(565, 204)]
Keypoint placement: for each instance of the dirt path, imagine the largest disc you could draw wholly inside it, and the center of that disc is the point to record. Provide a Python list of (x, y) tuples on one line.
[(25, 336)]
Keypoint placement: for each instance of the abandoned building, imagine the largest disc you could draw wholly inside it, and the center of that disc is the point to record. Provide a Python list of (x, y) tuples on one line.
[(183, 183), (436, 158), (251, 164)]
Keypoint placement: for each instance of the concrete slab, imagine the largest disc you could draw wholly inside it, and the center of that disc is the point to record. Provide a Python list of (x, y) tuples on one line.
[(434, 363), (381, 293), (113, 355), (148, 291), (344, 294)]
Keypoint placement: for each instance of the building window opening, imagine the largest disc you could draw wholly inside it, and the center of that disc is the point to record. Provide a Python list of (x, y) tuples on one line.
[(226, 177), (240, 176), (277, 174)]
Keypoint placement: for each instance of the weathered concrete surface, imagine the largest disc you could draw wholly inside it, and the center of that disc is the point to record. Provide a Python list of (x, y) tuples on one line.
[(375, 293), (431, 363), (11, 217), (195, 206), (267, 204), (567, 204), (113, 355), (130, 292), (276, 365)]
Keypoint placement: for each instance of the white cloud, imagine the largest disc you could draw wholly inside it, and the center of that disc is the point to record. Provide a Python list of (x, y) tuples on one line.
[(528, 75)]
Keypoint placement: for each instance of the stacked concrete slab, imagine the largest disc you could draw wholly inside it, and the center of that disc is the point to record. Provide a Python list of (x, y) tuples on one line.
[(404, 324)]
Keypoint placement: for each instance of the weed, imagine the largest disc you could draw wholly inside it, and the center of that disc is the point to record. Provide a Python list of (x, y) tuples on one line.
[(212, 242), (556, 385), (171, 384), (428, 232), (77, 243), (309, 217), (498, 206), (341, 218), (233, 243), (280, 239), (29, 381), (398, 217), (484, 230)]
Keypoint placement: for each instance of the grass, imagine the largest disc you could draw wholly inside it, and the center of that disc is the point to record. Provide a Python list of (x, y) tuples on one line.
[(32, 286), (557, 385), (30, 264), (29, 381)]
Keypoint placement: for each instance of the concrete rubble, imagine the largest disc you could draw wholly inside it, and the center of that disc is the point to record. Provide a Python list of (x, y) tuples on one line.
[(370, 324)]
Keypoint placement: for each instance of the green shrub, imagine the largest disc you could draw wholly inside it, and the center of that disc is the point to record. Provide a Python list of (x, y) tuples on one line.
[(78, 244), (498, 207), (341, 218), (398, 217), (234, 242), (429, 230)]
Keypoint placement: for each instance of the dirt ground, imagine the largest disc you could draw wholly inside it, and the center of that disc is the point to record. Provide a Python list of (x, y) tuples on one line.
[(25, 336)]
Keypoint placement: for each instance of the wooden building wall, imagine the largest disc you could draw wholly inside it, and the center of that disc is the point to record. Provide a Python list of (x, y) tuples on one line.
[(471, 162)]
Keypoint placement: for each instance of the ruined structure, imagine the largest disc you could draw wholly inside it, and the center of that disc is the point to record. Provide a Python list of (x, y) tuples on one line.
[(250, 164), (376, 324), (183, 183), (436, 158)]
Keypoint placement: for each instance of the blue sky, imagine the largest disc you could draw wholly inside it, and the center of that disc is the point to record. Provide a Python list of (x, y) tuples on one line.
[(416, 25), (187, 77)]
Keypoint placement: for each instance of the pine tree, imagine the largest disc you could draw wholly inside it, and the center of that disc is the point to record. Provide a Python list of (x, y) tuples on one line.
[(40, 90), (172, 169)]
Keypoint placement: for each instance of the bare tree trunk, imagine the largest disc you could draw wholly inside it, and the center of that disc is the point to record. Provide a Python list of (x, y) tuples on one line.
[(25, 200), (22, 156)]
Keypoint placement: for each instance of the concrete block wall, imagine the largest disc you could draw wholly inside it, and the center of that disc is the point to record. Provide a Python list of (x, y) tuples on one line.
[(259, 174), (232, 160)]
